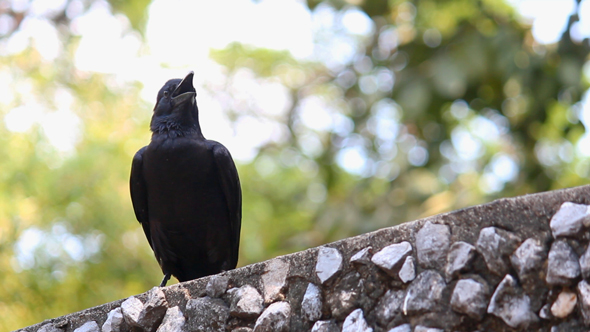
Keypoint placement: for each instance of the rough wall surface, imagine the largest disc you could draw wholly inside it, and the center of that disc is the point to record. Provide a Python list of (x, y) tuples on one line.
[(517, 264)]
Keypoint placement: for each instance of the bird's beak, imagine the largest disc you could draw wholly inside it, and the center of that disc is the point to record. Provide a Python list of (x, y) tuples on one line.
[(184, 91)]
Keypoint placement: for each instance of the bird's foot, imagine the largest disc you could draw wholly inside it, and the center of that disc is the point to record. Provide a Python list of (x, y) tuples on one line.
[(165, 280)]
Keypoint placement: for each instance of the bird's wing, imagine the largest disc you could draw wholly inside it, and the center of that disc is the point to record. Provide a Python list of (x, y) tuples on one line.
[(230, 184), (139, 193)]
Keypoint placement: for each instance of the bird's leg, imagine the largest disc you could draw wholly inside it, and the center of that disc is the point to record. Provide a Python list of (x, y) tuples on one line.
[(165, 280)]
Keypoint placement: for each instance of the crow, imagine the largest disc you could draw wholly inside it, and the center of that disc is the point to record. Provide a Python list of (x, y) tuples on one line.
[(185, 190)]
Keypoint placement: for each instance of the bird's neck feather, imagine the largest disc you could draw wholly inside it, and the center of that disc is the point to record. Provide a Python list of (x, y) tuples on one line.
[(176, 127), (172, 129)]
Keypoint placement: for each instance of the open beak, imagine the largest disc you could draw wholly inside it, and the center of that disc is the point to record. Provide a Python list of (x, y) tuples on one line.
[(185, 91)]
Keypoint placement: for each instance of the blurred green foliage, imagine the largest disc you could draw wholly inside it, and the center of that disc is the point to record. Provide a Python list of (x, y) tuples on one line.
[(134, 10), (443, 105)]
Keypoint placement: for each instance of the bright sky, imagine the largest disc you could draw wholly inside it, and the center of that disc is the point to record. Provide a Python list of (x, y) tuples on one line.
[(550, 17)]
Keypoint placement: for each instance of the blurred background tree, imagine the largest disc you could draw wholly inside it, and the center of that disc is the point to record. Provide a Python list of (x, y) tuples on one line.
[(396, 110)]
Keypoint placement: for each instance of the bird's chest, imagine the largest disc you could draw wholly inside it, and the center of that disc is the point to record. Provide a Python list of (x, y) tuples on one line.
[(178, 163)]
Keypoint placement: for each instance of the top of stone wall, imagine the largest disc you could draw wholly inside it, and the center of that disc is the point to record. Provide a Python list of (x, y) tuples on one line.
[(502, 266)]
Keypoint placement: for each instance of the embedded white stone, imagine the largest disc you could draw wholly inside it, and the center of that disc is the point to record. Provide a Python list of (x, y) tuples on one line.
[(408, 271), (329, 262), (90, 326), (311, 306), (564, 305), (275, 318), (511, 304), (585, 263), (569, 219), (173, 321), (563, 265), (494, 244), (528, 257), (131, 309), (245, 302), (424, 294), (420, 328), (584, 295), (402, 328), (355, 322), (391, 257), (470, 297), (363, 256), (274, 279), (460, 256), (217, 285), (432, 245), (325, 326), (114, 321)]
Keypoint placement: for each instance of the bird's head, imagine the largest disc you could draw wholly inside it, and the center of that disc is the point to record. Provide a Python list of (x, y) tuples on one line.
[(176, 107)]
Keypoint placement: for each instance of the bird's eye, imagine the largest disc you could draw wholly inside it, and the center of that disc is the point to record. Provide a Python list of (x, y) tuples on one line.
[(166, 94)]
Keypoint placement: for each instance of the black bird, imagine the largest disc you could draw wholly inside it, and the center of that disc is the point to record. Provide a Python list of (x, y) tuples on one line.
[(186, 191)]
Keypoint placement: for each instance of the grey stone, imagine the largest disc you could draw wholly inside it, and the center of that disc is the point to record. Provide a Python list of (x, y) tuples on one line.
[(325, 326), (173, 321), (495, 245), (432, 245), (389, 306), (545, 312), (131, 309), (206, 314), (275, 318), (563, 265), (564, 304), (569, 219), (274, 279), (363, 256), (585, 263), (49, 328), (89, 326), (584, 297), (460, 256), (424, 293), (402, 328), (408, 271), (510, 304), (114, 321), (420, 328), (471, 298), (528, 258), (246, 302), (217, 285), (329, 262), (390, 258), (311, 305), (355, 322), (154, 309)]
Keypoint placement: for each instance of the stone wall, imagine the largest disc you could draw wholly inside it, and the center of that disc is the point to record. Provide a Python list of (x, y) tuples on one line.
[(513, 264)]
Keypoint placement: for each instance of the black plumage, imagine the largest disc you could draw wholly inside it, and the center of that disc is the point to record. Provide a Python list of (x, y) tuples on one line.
[(185, 190)]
